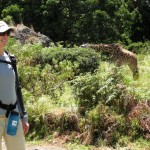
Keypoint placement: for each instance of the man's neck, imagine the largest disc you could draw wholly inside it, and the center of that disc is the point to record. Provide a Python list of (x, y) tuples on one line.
[(1, 52)]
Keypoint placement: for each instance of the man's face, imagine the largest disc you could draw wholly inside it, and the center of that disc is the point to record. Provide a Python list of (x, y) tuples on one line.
[(4, 38)]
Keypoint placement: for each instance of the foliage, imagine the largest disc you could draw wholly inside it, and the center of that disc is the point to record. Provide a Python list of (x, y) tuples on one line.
[(90, 89), (84, 89), (105, 99), (37, 108), (65, 62), (102, 95), (102, 118), (98, 106), (76, 22), (79, 59), (127, 17), (139, 47), (140, 88), (13, 10)]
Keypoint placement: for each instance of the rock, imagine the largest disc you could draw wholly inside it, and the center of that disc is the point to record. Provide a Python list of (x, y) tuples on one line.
[(25, 35)]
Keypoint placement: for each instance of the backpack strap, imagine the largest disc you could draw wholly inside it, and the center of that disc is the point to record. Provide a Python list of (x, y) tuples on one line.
[(7, 62), (9, 107), (18, 88)]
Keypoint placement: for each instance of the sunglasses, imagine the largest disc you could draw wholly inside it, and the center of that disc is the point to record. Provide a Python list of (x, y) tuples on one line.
[(5, 33)]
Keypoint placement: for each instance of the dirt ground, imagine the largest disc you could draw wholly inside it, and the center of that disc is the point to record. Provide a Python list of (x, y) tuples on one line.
[(60, 146), (55, 147), (46, 147), (39, 147)]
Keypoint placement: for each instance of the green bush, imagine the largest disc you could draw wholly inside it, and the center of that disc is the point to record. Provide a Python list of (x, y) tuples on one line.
[(139, 47), (102, 94), (84, 90), (110, 90), (37, 108), (13, 11), (41, 81), (82, 60), (62, 60)]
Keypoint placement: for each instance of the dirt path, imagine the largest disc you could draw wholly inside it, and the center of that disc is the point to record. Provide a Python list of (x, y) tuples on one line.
[(39, 147), (48, 147)]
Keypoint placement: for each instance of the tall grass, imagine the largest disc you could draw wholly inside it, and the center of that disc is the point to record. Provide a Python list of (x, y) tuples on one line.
[(141, 87)]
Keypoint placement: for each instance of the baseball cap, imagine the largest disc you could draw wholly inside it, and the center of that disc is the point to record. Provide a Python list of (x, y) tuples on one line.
[(4, 27)]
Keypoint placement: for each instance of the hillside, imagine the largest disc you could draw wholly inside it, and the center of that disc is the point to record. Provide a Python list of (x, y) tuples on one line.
[(76, 95)]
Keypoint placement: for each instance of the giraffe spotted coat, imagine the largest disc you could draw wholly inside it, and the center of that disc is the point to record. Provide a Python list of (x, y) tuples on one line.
[(119, 55)]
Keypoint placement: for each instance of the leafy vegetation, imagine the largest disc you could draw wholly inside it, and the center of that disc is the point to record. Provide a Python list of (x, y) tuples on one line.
[(72, 92), (76, 93), (76, 22)]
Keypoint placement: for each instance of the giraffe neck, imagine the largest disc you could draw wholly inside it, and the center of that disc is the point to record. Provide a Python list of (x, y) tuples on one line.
[(104, 47)]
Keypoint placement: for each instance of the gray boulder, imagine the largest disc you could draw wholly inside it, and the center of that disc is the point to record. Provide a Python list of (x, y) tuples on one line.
[(25, 35)]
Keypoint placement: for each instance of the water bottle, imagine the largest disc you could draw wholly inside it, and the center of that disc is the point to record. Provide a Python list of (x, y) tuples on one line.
[(13, 123)]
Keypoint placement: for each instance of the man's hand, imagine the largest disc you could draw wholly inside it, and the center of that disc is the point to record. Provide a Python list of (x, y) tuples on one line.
[(25, 127)]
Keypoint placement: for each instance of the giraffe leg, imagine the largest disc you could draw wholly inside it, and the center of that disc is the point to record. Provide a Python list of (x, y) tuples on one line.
[(118, 63)]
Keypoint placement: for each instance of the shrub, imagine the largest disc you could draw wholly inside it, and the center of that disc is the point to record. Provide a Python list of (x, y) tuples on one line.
[(84, 89), (110, 90), (139, 47), (41, 81), (73, 61), (103, 96), (37, 107), (82, 60)]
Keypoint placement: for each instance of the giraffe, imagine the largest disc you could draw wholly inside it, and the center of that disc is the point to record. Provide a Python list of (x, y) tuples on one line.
[(119, 55)]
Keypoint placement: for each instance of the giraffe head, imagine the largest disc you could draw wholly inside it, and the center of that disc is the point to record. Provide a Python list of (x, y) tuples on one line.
[(86, 45), (136, 75)]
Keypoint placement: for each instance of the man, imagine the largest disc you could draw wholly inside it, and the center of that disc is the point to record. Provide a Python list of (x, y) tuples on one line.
[(13, 117)]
